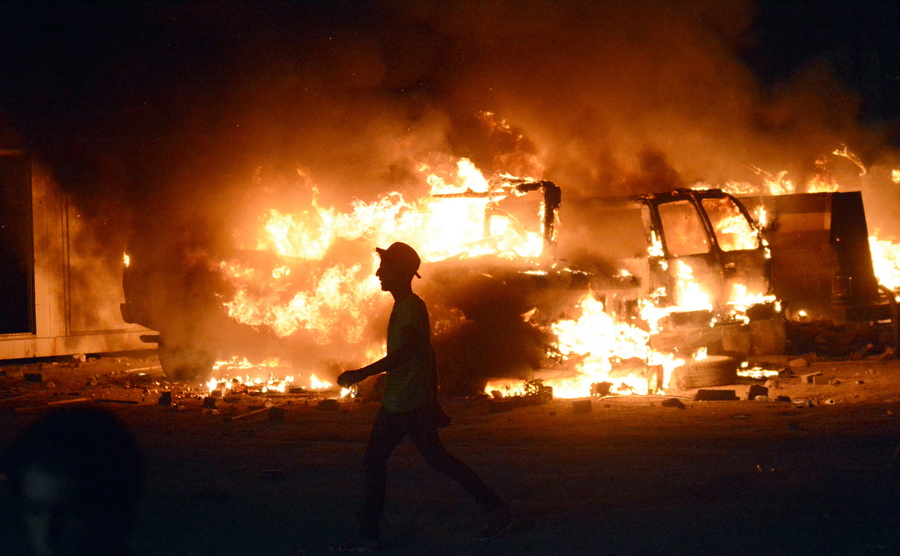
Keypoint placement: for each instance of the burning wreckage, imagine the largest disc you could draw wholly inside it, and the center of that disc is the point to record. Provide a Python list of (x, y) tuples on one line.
[(637, 295)]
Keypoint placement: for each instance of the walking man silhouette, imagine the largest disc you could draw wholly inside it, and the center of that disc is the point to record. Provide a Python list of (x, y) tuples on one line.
[(410, 405)]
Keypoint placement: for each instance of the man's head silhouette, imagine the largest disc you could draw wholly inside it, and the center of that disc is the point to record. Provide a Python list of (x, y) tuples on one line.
[(79, 476)]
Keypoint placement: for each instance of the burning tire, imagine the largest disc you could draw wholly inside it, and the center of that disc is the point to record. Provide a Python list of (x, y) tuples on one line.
[(716, 370), (185, 363)]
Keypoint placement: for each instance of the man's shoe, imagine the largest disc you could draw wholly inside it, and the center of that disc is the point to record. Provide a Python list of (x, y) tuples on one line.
[(496, 523)]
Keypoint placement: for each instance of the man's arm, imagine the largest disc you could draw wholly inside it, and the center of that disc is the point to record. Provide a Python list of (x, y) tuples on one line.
[(412, 340)]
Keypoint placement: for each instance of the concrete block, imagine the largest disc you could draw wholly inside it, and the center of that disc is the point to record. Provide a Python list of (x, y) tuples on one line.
[(581, 406), (809, 378), (757, 390), (715, 395)]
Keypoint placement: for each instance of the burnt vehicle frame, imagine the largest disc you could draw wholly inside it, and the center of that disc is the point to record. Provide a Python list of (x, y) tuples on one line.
[(667, 243), (627, 253)]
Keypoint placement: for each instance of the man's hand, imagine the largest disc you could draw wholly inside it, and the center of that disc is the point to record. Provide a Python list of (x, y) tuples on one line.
[(349, 378)]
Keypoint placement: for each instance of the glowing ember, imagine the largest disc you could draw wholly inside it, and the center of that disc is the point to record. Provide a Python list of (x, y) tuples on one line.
[(845, 152), (268, 376), (757, 372)]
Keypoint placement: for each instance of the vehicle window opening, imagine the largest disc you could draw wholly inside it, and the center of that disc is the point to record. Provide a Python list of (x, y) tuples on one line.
[(733, 231), (682, 229)]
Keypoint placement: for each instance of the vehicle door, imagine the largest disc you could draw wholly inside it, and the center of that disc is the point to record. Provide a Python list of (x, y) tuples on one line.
[(743, 255), (694, 273)]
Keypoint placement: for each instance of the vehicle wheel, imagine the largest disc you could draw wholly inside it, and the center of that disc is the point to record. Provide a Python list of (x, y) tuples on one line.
[(716, 370), (185, 363)]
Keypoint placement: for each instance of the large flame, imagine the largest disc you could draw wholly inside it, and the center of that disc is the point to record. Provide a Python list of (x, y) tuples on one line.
[(607, 351), (311, 291)]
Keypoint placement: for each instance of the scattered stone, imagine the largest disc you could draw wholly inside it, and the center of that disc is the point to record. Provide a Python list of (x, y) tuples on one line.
[(80, 357), (860, 382), (762, 398), (714, 395), (672, 402), (772, 384), (834, 382), (209, 402), (581, 406), (798, 363), (756, 391), (830, 401), (50, 385), (330, 405), (783, 399)]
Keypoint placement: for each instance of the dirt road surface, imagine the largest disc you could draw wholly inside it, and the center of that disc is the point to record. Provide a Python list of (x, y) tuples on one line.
[(813, 475)]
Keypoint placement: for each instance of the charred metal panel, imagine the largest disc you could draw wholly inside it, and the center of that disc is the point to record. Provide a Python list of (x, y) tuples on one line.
[(16, 244), (821, 263), (850, 238)]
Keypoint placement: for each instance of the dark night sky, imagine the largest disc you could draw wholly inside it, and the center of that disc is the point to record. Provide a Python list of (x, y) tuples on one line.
[(858, 39), (136, 101)]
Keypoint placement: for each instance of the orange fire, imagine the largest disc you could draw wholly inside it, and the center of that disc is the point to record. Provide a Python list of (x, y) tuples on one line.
[(607, 351), (310, 291), (229, 377)]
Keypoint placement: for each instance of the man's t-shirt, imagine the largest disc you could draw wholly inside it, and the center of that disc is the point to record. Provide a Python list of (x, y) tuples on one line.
[(412, 385)]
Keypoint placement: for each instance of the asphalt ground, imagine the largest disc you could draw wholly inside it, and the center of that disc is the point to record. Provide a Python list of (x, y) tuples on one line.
[(633, 475)]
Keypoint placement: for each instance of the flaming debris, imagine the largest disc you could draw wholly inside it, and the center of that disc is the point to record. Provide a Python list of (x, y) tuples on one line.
[(845, 152), (229, 378)]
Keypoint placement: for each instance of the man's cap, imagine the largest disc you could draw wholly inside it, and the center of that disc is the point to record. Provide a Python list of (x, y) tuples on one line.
[(401, 255)]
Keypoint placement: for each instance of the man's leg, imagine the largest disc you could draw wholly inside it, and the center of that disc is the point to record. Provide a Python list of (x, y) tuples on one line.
[(386, 435), (425, 436)]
